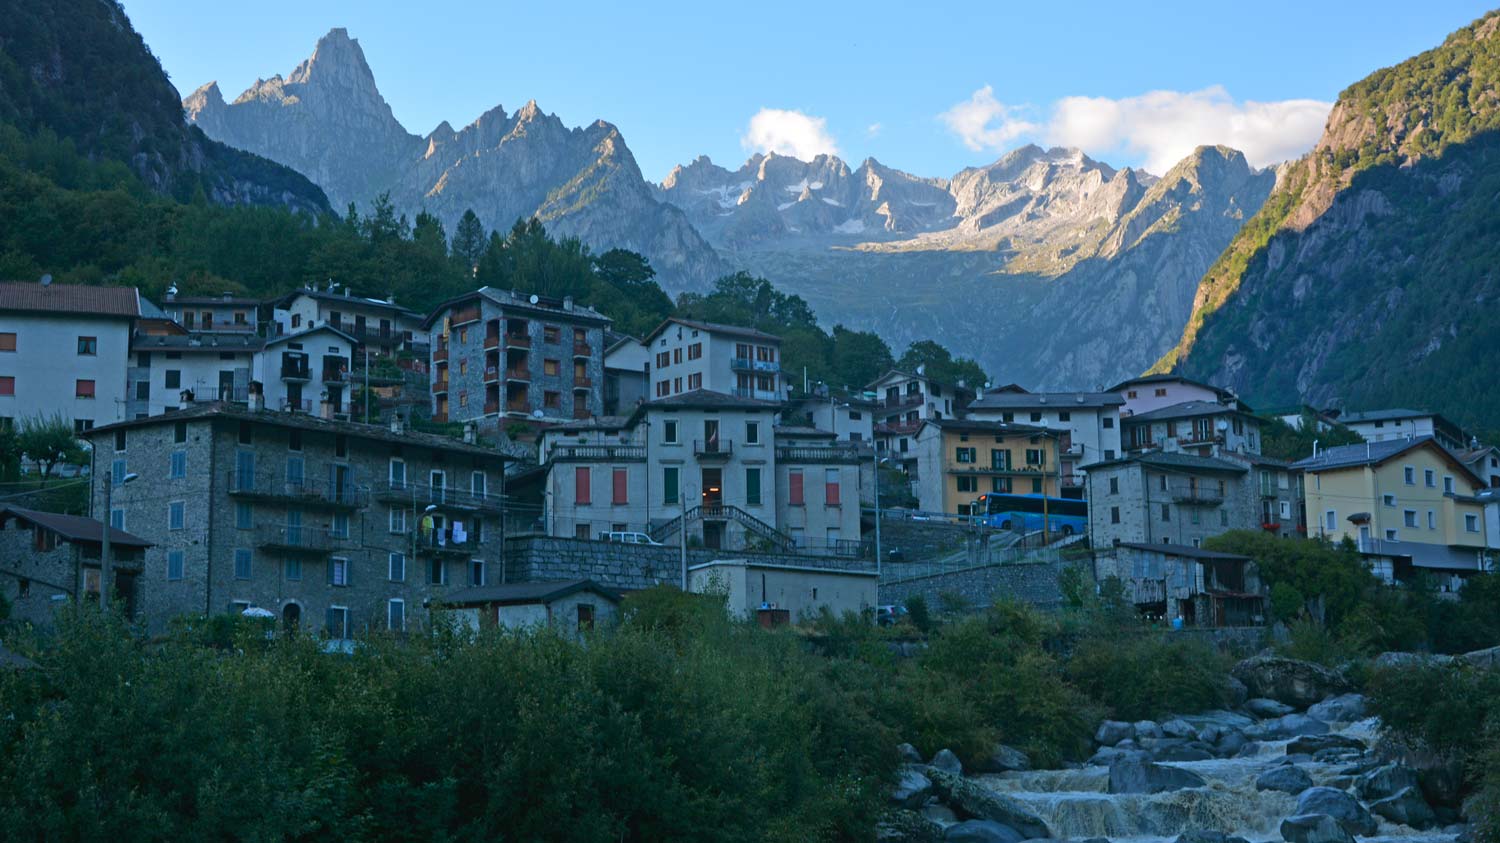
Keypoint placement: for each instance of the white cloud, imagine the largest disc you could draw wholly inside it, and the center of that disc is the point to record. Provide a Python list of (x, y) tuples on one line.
[(1158, 128), (789, 133), (984, 122), (873, 129)]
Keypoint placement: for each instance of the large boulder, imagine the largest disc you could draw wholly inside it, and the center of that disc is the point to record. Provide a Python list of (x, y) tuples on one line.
[(1314, 828), (1313, 743), (971, 801), (1138, 775), (1235, 690), (1179, 728), (1489, 657), (903, 826), (1290, 779), (1202, 836), (1288, 726), (1406, 807), (1005, 759), (1262, 707), (946, 761), (912, 789), (1339, 805), (1192, 751), (1148, 729), (908, 754), (1344, 708), (982, 831), (1230, 743), (1111, 732), (1292, 681)]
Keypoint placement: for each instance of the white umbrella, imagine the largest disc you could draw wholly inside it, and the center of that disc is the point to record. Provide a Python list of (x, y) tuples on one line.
[(258, 612)]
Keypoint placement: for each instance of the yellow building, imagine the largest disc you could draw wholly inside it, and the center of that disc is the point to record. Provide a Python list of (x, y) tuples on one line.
[(1409, 505), (959, 460)]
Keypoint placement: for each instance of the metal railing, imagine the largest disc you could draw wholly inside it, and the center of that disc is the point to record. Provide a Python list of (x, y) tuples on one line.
[(305, 538), (713, 448), (821, 454), (517, 340), (278, 487), (584, 453), (422, 495), (296, 405), (582, 349), (294, 371)]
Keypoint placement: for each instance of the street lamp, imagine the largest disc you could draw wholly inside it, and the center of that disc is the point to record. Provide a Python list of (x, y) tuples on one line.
[(104, 561)]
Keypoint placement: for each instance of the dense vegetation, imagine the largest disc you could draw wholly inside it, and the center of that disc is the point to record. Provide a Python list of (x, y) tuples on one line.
[(1366, 277), (1283, 441)]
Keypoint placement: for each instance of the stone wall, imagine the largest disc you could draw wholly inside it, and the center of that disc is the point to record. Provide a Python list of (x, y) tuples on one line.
[(632, 566), (1030, 582), (920, 539)]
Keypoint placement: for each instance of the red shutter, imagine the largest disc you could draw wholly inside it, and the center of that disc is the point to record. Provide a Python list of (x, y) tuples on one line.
[(620, 486), (581, 485), (795, 482), (831, 490)]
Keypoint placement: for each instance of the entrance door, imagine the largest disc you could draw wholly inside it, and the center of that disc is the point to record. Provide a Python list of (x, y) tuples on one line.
[(1364, 538), (226, 386), (713, 535), (713, 486), (438, 481), (291, 616)]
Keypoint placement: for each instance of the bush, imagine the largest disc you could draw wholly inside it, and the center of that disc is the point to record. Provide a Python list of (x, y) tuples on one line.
[(1147, 675), (916, 611)]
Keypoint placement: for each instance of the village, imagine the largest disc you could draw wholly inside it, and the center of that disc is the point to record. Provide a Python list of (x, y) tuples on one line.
[(347, 465)]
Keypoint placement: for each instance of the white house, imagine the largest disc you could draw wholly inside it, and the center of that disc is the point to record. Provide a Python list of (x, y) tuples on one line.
[(1153, 392), (64, 350), (166, 361), (380, 325), (627, 373), (1386, 425), (687, 356), (225, 313), (300, 372)]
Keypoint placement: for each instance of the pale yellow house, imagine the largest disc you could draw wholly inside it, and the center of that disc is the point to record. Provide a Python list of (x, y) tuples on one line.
[(1409, 504), (958, 460)]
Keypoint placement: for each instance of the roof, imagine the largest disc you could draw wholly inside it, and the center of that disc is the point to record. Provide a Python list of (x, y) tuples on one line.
[(1186, 551), (1383, 415), (302, 421), (1145, 379), (313, 330), (1174, 460), (512, 300), (1377, 453), (976, 426), (1185, 410), (704, 399), (324, 295), (613, 339), (593, 423), (75, 528), (208, 343), (208, 300), (713, 327), (119, 302), (1006, 400), (802, 430), (528, 592), (901, 373)]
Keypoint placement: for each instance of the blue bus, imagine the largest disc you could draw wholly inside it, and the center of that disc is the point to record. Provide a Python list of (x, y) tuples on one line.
[(1064, 516)]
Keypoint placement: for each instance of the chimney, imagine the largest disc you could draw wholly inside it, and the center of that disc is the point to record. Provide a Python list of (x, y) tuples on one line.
[(185, 399), (567, 302), (257, 397), (471, 433), (227, 296), (398, 425), (325, 409)]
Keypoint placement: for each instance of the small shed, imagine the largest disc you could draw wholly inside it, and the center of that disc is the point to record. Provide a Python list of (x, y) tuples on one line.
[(573, 606)]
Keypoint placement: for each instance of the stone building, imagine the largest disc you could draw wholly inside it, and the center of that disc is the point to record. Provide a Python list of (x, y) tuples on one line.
[(1176, 582), (331, 524), (497, 352), (47, 560), (574, 608)]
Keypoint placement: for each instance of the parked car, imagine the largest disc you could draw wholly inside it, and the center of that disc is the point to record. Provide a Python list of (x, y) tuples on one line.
[(889, 614), (626, 537)]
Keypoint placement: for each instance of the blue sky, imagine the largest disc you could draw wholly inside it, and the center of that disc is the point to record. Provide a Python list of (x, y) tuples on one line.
[(929, 90)]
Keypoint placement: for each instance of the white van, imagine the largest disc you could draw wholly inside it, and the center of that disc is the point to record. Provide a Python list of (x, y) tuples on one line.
[(622, 537)]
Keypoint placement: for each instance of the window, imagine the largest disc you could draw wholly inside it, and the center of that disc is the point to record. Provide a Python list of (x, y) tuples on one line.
[(117, 518), (1431, 520), (463, 366), (397, 473), (663, 360), (173, 379), (1391, 536), (83, 388), (179, 433), (620, 487), (1109, 422), (143, 390), (695, 351), (1036, 417), (1161, 392), (242, 563), (1429, 478), (244, 516), (294, 440), (1224, 516), (296, 474), (1166, 512), (963, 455), (8, 341), (550, 333), (395, 614), (676, 355), (246, 436), (1114, 515), (396, 567), (476, 572), (794, 487), (1036, 456), (437, 573), (1008, 417), (663, 388), (967, 484), (1471, 523), (550, 367), (174, 564), (552, 400), (1114, 485), (1000, 485), (752, 486), (478, 485), (88, 346), (581, 490), (676, 384), (79, 425), (1064, 415), (178, 469), (340, 527), (831, 496), (1409, 474), (338, 571), (1036, 485), (1447, 485), (177, 515), (1409, 517), (341, 446), (1330, 520), (582, 530), (669, 432), (397, 521), (669, 488), (7, 385), (117, 472), (338, 622), (1388, 500), (695, 380)]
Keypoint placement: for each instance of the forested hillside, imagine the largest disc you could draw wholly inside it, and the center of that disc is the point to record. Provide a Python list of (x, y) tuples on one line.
[(1368, 278), (76, 70)]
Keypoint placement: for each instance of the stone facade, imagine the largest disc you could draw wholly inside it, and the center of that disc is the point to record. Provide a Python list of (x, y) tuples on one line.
[(494, 352), (1036, 583), (299, 515)]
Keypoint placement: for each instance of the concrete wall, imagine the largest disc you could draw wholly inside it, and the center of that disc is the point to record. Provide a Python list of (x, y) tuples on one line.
[(804, 593), (1034, 583), (198, 369), (46, 366), (1145, 397)]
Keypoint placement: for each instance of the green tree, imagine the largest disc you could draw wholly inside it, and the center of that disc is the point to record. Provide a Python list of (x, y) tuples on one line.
[(859, 357), (1283, 441), (939, 364), (468, 243), (48, 441)]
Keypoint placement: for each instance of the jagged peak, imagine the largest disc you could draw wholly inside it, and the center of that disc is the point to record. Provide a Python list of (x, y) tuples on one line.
[(337, 50), (441, 130), (205, 96), (528, 112)]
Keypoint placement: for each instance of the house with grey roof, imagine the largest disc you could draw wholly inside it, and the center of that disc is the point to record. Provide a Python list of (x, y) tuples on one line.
[(1087, 422), (1206, 428), (573, 607), (48, 560), (1402, 423), (687, 355), (380, 326)]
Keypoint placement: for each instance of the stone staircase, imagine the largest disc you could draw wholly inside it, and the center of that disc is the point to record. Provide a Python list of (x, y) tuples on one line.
[(725, 512)]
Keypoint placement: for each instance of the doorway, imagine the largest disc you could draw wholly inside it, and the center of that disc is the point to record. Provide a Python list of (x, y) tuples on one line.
[(713, 535), (291, 617), (713, 487)]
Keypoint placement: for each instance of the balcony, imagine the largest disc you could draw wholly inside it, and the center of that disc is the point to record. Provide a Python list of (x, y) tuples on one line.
[(518, 374), (491, 374), (298, 539), (295, 371), (582, 349), (821, 454), (465, 316), (491, 342), (332, 374), (713, 449), (443, 543), (909, 400), (440, 385), (517, 405), (296, 405), (276, 488), (420, 495), (582, 382), (602, 453), (1197, 497), (517, 341), (491, 408), (440, 354), (581, 412)]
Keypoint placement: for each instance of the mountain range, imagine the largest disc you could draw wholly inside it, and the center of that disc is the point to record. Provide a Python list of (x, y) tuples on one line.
[(1046, 266)]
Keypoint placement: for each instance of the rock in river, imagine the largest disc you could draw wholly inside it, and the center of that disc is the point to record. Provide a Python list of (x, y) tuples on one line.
[(1291, 780), (1292, 681), (1339, 805), (1137, 775), (1314, 828)]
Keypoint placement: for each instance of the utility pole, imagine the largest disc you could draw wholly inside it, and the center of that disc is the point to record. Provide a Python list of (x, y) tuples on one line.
[(878, 559), (104, 545), (682, 534), (367, 384)]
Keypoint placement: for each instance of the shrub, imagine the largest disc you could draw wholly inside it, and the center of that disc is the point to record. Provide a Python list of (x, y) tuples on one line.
[(916, 610), (1147, 675)]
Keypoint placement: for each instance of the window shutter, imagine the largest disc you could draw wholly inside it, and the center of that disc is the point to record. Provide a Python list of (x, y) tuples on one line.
[(831, 488), (581, 484), (794, 482), (328, 623), (621, 488)]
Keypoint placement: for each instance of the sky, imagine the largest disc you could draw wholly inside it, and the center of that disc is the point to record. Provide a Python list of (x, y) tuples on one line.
[(927, 88)]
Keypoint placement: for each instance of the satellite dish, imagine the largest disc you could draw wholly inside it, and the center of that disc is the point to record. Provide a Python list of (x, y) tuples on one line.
[(1223, 425), (47, 280), (534, 298), (536, 414)]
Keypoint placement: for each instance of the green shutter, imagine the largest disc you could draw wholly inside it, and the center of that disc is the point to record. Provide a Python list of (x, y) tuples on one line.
[(669, 485), (752, 486)]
